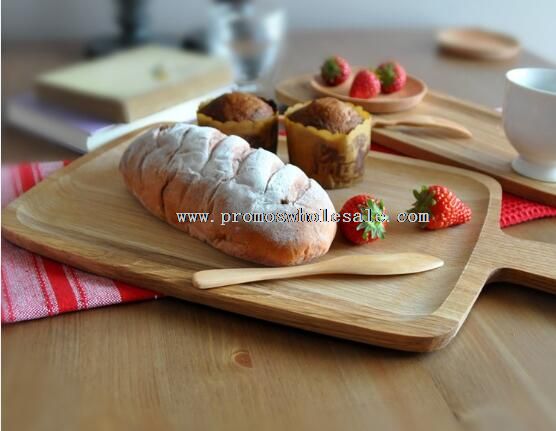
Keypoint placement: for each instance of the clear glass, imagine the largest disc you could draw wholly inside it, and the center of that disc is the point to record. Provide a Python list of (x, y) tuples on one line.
[(250, 37)]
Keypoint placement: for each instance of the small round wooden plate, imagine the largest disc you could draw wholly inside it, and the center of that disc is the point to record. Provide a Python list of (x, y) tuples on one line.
[(478, 44), (406, 98)]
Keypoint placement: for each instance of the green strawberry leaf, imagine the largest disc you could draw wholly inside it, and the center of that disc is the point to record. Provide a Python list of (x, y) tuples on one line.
[(424, 202), (331, 69), (372, 224), (386, 74)]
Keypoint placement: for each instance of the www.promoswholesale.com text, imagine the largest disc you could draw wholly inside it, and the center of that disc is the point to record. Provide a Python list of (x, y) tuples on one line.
[(299, 216)]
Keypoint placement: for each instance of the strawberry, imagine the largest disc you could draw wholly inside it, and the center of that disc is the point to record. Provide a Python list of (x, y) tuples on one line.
[(335, 70), (365, 85), (392, 76), (363, 219), (443, 206)]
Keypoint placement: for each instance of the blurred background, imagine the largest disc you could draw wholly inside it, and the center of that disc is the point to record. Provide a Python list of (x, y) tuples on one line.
[(266, 45), (531, 22)]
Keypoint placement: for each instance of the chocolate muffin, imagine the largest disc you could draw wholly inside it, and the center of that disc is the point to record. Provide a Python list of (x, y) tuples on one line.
[(329, 140), (238, 107), (328, 114), (242, 114)]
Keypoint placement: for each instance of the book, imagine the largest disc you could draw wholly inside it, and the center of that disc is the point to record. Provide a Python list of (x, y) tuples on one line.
[(135, 83), (84, 133)]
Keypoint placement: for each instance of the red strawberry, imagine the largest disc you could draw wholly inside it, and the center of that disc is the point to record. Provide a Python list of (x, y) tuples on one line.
[(363, 219), (365, 85), (443, 206), (335, 70), (392, 76)]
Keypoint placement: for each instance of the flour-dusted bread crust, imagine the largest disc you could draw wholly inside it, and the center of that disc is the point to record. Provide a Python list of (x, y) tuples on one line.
[(187, 168)]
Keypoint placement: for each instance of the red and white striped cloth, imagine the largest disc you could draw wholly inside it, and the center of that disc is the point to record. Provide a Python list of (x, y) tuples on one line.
[(35, 287)]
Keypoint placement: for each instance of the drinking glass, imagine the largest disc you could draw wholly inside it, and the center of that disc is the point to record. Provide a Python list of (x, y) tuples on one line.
[(250, 37)]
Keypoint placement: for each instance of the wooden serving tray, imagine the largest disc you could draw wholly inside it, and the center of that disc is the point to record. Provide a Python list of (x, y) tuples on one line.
[(83, 215), (488, 151)]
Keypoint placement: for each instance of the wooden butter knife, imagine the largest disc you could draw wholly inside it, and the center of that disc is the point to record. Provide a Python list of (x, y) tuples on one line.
[(425, 121), (377, 264), (452, 128)]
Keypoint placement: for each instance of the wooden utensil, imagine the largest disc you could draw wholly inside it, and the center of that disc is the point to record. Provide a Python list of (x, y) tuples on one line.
[(83, 215), (406, 98), (488, 151), (380, 264), (478, 44), (425, 121)]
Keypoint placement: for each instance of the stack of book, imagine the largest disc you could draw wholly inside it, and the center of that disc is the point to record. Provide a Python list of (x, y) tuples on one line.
[(91, 103)]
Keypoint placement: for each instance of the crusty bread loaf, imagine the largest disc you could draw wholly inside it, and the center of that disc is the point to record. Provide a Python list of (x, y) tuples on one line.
[(187, 168)]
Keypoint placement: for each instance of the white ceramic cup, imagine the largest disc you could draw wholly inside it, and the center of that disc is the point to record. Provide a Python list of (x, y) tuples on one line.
[(529, 117)]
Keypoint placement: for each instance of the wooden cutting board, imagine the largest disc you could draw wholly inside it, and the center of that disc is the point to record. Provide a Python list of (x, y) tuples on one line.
[(82, 215), (488, 151)]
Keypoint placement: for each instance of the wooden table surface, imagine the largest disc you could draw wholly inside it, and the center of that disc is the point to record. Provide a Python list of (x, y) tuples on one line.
[(169, 364)]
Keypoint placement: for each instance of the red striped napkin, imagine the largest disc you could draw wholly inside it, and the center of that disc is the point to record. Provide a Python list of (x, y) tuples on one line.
[(35, 287)]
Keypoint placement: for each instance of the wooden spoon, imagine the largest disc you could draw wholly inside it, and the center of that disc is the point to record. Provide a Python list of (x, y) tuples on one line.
[(425, 121), (378, 264)]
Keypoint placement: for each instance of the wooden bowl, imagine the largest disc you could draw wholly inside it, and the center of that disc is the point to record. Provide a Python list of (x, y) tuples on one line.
[(406, 98), (478, 44)]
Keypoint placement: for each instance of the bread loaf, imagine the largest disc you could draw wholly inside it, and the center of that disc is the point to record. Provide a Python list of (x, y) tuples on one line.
[(190, 169)]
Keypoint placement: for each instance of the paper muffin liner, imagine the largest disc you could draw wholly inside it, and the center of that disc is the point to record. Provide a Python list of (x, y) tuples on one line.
[(335, 160), (259, 133)]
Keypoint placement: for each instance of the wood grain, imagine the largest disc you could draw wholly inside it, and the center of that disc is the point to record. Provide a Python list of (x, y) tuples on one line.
[(169, 363), (488, 151), (418, 312)]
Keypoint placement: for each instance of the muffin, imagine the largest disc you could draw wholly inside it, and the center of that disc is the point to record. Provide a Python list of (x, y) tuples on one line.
[(329, 140), (242, 114)]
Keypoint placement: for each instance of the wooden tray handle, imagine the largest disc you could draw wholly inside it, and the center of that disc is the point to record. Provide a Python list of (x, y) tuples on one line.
[(526, 262)]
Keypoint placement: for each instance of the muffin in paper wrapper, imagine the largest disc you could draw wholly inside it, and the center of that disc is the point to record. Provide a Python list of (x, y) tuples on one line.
[(335, 160), (259, 133)]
